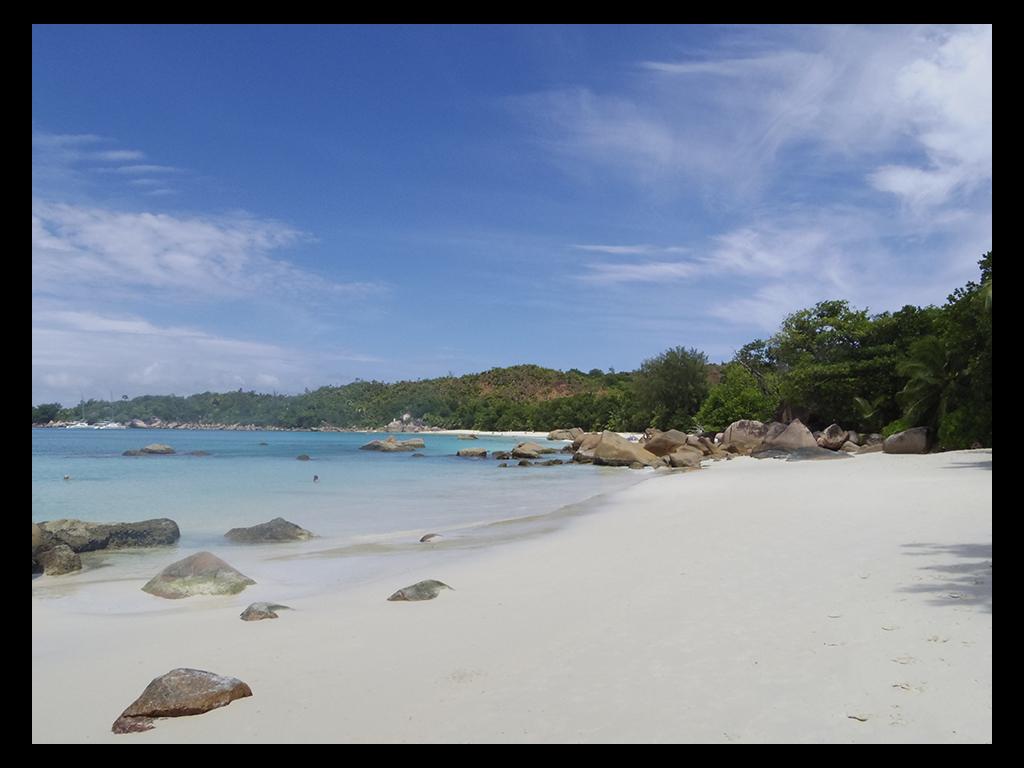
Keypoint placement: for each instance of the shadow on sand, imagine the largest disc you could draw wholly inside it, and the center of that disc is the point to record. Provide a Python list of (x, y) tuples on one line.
[(977, 459), (954, 582)]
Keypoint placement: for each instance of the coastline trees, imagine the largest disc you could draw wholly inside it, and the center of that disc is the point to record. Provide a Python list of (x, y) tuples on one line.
[(671, 387)]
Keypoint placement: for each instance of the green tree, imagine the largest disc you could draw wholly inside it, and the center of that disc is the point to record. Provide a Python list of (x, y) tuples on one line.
[(740, 395), (45, 413), (671, 387)]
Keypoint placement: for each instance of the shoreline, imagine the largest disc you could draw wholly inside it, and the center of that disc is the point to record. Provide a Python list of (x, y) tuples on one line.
[(344, 430), (754, 601)]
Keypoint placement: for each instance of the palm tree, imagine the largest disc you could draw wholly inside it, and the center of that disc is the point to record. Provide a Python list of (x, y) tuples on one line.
[(926, 394)]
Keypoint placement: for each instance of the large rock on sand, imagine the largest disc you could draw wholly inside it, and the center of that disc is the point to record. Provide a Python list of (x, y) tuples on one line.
[(909, 441), (613, 450), (833, 437), (58, 560), (685, 457), (276, 530), (200, 574), (391, 445), (743, 436), (180, 692), (82, 536), (795, 436), (664, 443)]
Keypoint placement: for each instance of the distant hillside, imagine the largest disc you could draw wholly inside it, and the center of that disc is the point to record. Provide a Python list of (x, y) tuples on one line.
[(517, 397)]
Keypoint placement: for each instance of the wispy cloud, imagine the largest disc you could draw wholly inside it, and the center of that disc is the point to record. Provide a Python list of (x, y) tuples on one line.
[(632, 249), (650, 272), (92, 353), (833, 94), (119, 155), (135, 170), (78, 248), (62, 163)]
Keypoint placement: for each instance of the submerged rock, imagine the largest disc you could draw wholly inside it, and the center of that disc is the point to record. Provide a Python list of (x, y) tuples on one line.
[(303, 457), (158, 448), (421, 590), (178, 693), (530, 451), (391, 445), (258, 611), (276, 530), (200, 574)]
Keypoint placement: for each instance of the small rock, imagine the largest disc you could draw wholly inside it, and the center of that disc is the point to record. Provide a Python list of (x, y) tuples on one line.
[(258, 611), (421, 590)]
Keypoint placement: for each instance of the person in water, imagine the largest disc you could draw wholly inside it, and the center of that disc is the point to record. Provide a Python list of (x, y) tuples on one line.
[(316, 478)]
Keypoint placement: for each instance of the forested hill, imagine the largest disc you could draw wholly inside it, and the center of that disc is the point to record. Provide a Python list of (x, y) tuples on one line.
[(830, 363), (501, 398)]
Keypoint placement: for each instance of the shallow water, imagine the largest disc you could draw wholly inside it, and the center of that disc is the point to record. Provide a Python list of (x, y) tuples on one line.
[(368, 509)]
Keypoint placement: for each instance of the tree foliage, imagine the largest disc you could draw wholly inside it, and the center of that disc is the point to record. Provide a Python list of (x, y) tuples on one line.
[(671, 387)]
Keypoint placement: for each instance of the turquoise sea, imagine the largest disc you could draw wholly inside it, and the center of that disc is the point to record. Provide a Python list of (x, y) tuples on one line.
[(368, 509)]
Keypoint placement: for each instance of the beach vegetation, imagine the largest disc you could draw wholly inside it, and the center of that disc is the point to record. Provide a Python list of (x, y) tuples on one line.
[(671, 387)]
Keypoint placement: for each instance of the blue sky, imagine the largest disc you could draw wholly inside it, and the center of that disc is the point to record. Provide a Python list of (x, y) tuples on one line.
[(282, 207)]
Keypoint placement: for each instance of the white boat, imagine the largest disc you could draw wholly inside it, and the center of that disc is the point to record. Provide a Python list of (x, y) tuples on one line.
[(79, 425), (111, 425)]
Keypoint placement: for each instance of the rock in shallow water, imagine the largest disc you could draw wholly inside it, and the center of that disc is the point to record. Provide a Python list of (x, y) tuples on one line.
[(180, 692), (200, 574), (421, 590), (275, 530)]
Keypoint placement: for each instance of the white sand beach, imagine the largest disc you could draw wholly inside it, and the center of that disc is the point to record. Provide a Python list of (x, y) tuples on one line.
[(753, 601)]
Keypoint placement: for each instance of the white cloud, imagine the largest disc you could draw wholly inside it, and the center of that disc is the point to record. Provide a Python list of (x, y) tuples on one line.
[(84, 352), (132, 170), (835, 94), (76, 248)]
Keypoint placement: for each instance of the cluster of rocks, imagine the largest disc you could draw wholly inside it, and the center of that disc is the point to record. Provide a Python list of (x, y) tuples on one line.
[(184, 691), (408, 424), (756, 438), (56, 544), (660, 449), (392, 444)]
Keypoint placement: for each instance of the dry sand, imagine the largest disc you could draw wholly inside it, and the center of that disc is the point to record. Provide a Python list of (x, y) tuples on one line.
[(754, 601)]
